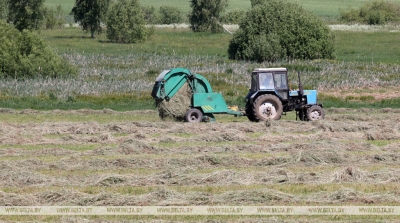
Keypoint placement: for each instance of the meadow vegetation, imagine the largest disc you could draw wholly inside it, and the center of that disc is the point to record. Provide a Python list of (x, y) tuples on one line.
[(372, 13), (121, 76)]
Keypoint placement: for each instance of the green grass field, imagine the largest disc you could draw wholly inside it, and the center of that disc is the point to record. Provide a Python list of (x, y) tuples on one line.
[(324, 8), (368, 46), (380, 46), (164, 41)]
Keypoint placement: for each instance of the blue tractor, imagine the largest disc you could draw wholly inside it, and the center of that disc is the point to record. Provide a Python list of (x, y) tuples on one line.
[(270, 96)]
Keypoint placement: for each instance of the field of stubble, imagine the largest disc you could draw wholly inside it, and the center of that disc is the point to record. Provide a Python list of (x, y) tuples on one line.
[(97, 158)]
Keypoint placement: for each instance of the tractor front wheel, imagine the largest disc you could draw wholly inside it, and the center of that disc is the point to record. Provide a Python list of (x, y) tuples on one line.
[(194, 115), (267, 106), (315, 112)]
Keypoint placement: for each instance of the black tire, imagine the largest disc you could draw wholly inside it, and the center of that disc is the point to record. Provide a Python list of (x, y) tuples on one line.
[(194, 115), (249, 112), (267, 106), (315, 112)]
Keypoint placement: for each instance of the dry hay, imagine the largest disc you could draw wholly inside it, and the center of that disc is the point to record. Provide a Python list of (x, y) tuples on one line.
[(111, 180), (228, 136), (255, 197), (349, 174), (71, 197), (12, 199), (176, 107), (383, 176), (348, 195), (164, 196), (384, 158), (225, 177), (318, 156), (18, 178), (133, 146), (382, 134)]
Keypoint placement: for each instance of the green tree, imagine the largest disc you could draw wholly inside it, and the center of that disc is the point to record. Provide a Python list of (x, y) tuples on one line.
[(4, 10), (277, 29), (169, 15), (26, 14), (25, 55), (205, 15), (125, 22), (90, 14), (50, 20)]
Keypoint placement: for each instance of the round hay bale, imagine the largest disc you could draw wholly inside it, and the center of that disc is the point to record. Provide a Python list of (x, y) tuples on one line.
[(177, 106)]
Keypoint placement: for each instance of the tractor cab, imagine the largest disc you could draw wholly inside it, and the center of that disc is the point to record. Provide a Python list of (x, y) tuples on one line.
[(272, 80)]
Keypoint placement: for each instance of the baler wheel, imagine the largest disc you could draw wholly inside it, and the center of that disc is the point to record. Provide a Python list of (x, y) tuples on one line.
[(315, 112), (194, 115)]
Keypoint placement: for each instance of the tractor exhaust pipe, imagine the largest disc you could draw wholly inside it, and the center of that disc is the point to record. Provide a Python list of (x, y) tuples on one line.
[(301, 90)]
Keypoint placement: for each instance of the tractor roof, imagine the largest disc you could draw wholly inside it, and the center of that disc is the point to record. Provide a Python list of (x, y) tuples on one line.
[(270, 69)]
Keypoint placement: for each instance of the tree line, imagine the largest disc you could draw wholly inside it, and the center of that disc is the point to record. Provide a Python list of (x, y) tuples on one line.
[(271, 30)]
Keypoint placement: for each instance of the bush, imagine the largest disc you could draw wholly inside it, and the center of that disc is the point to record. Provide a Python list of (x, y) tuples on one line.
[(50, 20), (25, 55), (53, 18), (125, 22), (294, 34), (149, 13), (256, 2), (234, 16), (372, 13), (169, 15)]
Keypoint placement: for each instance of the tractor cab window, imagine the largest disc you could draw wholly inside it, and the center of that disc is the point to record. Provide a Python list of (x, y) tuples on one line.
[(266, 81), (280, 80)]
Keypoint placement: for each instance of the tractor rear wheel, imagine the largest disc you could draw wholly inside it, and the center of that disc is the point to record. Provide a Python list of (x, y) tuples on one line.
[(194, 115), (267, 106), (315, 112), (249, 112)]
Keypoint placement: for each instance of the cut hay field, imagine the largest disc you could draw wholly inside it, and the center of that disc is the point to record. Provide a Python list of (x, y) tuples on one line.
[(108, 158)]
